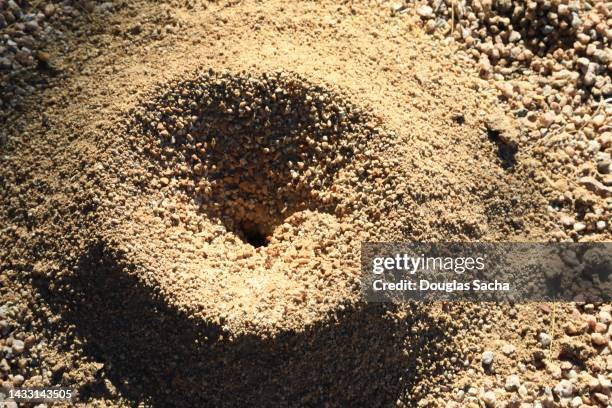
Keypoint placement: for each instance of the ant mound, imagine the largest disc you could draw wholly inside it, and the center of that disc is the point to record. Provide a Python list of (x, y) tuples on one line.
[(233, 247), (250, 180), (209, 245)]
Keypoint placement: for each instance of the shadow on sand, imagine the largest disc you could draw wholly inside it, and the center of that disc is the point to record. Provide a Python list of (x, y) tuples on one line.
[(156, 355)]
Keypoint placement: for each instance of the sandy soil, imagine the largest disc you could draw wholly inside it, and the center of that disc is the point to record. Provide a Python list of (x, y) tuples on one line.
[(183, 205)]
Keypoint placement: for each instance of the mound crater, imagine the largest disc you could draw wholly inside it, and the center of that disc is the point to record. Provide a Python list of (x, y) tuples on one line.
[(243, 204), (251, 151)]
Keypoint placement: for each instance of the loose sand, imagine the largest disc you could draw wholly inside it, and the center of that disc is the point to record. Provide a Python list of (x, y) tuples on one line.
[(183, 209)]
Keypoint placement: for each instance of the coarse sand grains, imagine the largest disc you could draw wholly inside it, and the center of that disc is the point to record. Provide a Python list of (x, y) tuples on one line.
[(183, 208)]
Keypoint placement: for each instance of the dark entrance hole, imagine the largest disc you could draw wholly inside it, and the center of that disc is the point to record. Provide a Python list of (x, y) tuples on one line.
[(254, 235), (506, 150)]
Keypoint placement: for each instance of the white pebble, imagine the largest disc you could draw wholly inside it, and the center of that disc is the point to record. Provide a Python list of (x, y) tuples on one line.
[(544, 339), (425, 11), (489, 398), (564, 389), (18, 346), (487, 358), (512, 383)]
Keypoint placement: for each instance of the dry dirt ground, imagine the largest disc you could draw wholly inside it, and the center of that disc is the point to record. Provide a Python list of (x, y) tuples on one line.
[(184, 199)]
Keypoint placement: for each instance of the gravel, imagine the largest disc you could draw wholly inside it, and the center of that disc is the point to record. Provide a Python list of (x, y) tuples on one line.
[(487, 358), (489, 398), (552, 59), (544, 339), (28, 29), (508, 349), (18, 346), (564, 389), (512, 383)]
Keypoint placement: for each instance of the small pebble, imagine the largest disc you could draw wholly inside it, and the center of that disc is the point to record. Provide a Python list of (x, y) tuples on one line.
[(508, 349), (512, 383), (598, 339), (425, 11), (544, 339), (487, 358), (18, 346), (489, 399), (18, 380), (564, 389)]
